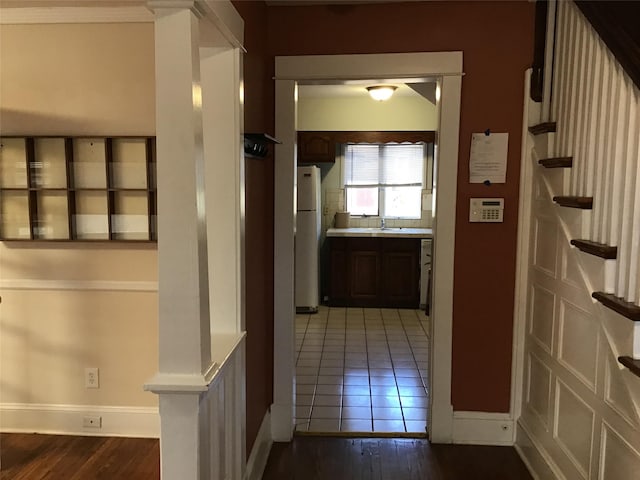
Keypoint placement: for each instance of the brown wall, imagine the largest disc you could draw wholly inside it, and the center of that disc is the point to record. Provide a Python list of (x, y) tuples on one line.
[(259, 219), (497, 41)]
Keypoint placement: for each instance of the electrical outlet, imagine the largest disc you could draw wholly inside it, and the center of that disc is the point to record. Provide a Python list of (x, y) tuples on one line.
[(91, 377), (92, 421)]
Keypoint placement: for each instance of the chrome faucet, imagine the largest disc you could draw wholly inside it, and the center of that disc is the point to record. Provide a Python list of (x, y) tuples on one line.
[(382, 227)]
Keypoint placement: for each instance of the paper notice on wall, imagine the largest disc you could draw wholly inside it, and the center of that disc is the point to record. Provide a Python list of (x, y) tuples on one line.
[(488, 158)]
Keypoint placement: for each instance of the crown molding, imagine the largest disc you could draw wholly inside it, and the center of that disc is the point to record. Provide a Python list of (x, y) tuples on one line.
[(52, 15)]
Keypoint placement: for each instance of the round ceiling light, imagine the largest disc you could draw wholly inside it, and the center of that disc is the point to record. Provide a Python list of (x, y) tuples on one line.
[(381, 92)]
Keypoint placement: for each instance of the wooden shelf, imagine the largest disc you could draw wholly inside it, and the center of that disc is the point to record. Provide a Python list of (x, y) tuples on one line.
[(585, 203), (77, 188), (598, 249), (542, 128), (557, 162), (619, 305), (632, 364)]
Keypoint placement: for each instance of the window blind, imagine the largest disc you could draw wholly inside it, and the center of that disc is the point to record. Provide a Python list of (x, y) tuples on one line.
[(383, 165)]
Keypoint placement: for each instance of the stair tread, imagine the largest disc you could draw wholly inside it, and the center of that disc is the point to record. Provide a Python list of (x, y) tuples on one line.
[(594, 248), (632, 364), (557, 162), (585, 203), (620, 305), (542, 128)]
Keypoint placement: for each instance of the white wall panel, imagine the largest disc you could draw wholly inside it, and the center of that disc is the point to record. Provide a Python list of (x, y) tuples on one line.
[(573, 429), (619, 460), (578, 343), (542, 316), (539, 389), (545, 246)]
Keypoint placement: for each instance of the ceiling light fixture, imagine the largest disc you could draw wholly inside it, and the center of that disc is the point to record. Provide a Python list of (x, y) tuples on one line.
[(381, 92)]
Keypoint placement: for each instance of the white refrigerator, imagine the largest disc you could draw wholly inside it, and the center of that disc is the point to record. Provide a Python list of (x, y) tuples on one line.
[(308, 227)]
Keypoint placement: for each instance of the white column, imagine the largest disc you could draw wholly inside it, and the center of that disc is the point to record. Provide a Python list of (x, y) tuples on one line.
[(183, 286), (183, 290), (284, 227)]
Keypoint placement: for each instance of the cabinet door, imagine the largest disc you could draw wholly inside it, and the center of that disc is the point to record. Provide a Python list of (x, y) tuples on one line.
[(316, 147), (400, 273), (338, 272), (365, 277)]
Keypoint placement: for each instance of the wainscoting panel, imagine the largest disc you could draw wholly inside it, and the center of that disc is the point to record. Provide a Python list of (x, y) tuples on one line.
[(578, 343), (542, 317)]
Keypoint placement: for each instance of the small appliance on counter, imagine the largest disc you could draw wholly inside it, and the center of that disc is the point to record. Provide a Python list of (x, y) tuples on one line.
[(342, 220)]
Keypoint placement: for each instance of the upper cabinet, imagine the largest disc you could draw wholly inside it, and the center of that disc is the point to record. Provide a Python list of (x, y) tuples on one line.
[(316, 147), (77, 188)]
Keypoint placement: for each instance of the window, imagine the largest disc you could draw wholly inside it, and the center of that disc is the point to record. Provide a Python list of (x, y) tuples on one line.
[(384, 180)]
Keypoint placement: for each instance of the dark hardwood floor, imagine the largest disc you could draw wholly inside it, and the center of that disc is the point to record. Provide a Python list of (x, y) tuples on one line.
[(325, 458), (61, 457)]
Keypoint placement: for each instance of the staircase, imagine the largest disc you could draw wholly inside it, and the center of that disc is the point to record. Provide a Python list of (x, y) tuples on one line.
[(581, 401)]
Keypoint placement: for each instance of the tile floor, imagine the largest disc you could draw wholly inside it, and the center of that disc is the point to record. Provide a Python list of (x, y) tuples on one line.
[(362, 370)]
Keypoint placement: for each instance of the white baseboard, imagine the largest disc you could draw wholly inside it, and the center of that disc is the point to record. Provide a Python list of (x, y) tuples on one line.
[(68, 420), (538, 462), (260, 451), (281, 422), (483, 428)]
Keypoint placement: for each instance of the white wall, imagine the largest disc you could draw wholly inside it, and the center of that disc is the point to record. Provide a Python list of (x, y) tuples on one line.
[(67, 306)]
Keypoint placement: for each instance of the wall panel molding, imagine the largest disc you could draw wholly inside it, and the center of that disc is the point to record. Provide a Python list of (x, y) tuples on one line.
[(79, 285), (44, 15)]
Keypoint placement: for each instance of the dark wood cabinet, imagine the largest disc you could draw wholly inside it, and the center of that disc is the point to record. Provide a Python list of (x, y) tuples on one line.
[(374, 272), (316, 147)]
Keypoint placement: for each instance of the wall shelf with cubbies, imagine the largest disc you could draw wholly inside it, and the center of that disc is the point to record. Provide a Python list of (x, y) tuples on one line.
[(77, 188)]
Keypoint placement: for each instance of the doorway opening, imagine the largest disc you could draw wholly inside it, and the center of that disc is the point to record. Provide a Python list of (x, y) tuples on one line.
[(445, 69), (364, 370)]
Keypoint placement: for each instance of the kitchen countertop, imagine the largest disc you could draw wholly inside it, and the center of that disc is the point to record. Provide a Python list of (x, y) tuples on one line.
[(391, 232)]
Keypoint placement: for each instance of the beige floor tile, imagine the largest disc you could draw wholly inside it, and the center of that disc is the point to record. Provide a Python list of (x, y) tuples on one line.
[(409, 381), (415, 414), (412, 392), (327, 400), (387, 413), (330, 380), (303, 412), (389, 426), (414, 402), (385, 401), (352, 425), (382, 381), (356, 401), (324, 425), (325, 412), (356, 390), (361, 413), (357, 346), (328, 389), (302, 389), (384, 391), (415, 426)]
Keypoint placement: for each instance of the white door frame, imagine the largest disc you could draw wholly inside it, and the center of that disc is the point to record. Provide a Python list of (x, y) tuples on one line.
[(446, 68)]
